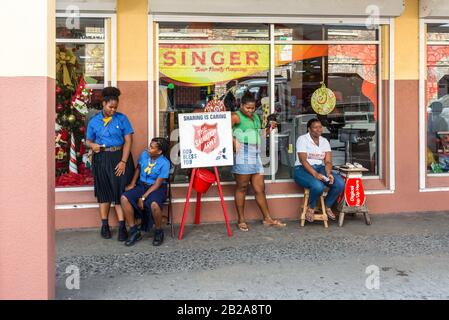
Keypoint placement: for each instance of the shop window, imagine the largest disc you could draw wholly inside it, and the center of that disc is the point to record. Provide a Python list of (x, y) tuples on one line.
[(438, 32), (80, 76), (213, 31), (319, 32), (350, 71), (437, 115), (193, 77), (88, 29)]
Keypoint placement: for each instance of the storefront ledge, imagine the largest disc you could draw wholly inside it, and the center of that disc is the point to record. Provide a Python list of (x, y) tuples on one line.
[(215, 199), (74, 189), (436, 189), (436, 182), (231, 183)]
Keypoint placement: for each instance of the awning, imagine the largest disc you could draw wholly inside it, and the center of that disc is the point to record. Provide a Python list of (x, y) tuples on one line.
[(317, 8), (101, 6), (434, 9)]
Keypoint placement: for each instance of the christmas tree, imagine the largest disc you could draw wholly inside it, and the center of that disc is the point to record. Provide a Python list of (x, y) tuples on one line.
[(72, 105)]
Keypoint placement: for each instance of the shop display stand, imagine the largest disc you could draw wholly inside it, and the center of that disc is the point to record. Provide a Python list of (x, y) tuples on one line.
[(348, 208)]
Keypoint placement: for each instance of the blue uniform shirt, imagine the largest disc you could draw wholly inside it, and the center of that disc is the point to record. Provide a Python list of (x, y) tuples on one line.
[(111, 135), (151, 170)]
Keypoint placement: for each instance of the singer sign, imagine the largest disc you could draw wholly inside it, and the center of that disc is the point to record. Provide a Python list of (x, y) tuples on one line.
[(201, 65), (206, 64)]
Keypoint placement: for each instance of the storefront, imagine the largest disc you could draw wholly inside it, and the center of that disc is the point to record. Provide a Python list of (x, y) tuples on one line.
[(434, 90), (385, 61), (171, 57)]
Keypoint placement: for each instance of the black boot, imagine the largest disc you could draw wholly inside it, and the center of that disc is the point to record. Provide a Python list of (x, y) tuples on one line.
[(134, 236), (105, 232), (122, 234), (158, 237)]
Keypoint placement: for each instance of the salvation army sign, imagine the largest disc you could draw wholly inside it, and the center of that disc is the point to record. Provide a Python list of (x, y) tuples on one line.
[(354, 192), (205, 139)]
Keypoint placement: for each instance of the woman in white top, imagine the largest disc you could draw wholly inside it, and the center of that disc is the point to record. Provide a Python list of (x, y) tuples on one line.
[(313, 168)]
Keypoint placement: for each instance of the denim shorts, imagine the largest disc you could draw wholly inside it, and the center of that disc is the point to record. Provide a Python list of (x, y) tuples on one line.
[(247, 160)]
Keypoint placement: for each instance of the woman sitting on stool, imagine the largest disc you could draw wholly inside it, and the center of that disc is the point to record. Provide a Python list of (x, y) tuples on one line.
[(310, 172), (145, 198)]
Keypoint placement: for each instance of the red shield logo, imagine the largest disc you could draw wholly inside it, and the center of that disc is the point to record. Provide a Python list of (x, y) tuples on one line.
[(206, 137)]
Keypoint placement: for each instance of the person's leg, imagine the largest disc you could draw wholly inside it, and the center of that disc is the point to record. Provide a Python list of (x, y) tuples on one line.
[(104, 210), (119, 212), (128, 211), (242, 181), (157, 215), (258, 184), (316, 190), (157, 218), (104, 214), (306, 180), (128, 200), (122, 232), (335, 189)]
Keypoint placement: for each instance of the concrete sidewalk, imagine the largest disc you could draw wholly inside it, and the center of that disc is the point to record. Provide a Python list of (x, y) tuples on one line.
[(411, 252)]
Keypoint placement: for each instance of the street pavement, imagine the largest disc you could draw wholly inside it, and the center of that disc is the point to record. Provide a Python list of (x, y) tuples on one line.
[(399, 256)]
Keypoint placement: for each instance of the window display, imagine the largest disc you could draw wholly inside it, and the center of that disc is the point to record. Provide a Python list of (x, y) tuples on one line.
[(80, 75), (350, 73), (437, 98), (345, 65), (196, 78)]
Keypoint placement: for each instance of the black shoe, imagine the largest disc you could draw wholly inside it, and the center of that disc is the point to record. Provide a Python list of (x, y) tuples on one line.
[(133, 238), (158, 237), (106, 232), (122, 234)]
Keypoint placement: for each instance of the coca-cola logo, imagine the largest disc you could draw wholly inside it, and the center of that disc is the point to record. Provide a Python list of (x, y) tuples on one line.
[(206, 137)]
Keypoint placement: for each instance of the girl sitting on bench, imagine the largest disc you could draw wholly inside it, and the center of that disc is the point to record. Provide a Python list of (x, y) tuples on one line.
[(145, 195)]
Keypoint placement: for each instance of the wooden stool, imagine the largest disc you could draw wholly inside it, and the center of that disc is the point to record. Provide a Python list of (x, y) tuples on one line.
[(320, 217)]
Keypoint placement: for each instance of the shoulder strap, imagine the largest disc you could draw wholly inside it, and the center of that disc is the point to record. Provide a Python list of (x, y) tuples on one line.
[(104, 130)]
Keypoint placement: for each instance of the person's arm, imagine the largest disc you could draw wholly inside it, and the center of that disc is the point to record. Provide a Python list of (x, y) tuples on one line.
[(90, 138), (94, 146), (154, 187), (133, 182), (303, 159), (235, 120), (328, 165), (120, 168)]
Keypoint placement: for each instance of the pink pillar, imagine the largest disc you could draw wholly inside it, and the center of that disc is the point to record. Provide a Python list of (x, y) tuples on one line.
[(27, 223)]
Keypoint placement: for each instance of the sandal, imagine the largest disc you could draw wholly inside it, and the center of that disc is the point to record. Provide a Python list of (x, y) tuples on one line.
[(358, 165), (310, 215), (330, 214), (243, 226), (274, 223)]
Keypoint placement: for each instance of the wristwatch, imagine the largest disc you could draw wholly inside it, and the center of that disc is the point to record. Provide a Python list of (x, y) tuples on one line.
[(143, 198)]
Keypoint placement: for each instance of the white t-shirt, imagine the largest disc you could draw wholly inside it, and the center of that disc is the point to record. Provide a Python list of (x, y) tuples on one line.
[(315, 154)]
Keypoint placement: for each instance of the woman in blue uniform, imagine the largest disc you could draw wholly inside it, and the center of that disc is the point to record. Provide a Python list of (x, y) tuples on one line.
[(109, 135), (145, 195)]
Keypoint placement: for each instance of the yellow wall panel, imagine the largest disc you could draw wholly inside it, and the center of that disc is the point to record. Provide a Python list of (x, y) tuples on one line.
[(132, 40), (406, 42)]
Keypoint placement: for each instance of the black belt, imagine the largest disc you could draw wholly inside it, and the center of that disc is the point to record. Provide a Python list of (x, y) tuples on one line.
[(111, 149)]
